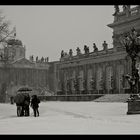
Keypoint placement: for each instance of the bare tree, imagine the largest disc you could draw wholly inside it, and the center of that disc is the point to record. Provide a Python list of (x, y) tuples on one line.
[(4, 28), (5, 33)]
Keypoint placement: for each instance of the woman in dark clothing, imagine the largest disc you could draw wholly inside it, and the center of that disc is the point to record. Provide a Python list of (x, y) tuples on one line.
[(35, 105)]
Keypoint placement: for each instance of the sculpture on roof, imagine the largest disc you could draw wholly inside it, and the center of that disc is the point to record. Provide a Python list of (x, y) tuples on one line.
[(47, 59), (62, 53), (78, 51), (86, 49), (126, 9), (42, 59), (70, 52), (37, 59), (117, 10), (95, 47), (105, 45)]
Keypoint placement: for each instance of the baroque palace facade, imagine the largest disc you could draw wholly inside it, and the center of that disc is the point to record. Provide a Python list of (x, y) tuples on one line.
[(17, 71), (100, 71), (96, 72)]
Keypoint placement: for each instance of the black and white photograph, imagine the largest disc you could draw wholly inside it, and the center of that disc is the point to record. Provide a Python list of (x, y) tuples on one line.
[(69, 69)]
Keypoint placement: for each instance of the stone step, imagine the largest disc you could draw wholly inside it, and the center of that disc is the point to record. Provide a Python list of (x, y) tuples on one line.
[(113, 98)]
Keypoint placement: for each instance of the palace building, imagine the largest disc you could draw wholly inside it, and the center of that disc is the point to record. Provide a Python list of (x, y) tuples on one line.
[(17, 71), (99, 72), (96, 72)]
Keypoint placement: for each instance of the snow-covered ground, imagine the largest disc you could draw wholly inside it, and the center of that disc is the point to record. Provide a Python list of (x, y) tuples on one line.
[(71, 118)]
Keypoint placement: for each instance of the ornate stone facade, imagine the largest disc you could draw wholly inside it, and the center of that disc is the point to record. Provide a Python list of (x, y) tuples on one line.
[(102, 69), (96, 72), (17, 71)]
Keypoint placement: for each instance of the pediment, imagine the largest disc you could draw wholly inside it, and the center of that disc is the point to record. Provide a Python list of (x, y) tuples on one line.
[(23, 62)]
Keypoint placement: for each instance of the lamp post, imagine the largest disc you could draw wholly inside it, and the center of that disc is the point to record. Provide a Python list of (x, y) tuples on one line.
[(131, 42)]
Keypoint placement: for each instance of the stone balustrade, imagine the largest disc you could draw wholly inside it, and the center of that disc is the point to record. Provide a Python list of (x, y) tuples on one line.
[(89, 55)]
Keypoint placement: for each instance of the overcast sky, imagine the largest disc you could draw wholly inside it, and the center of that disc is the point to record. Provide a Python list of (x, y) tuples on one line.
[(46, 30)]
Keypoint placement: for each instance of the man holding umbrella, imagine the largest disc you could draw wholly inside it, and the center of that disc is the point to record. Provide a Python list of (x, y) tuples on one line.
[(22, 100)]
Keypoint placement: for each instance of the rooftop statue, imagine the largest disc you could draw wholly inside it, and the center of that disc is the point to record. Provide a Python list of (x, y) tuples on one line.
[(78, 51), (126, 9), (70, 52), (62, 53), (86, 49), (37, 59), (42, 59), (47, 59), (117, 10), (95, 47), (105, 45)]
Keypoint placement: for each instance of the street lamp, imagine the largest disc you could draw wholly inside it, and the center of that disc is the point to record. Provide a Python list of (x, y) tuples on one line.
[(131, 42)]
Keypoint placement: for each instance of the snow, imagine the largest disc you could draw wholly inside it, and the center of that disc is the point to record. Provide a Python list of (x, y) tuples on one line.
[(71, 118)]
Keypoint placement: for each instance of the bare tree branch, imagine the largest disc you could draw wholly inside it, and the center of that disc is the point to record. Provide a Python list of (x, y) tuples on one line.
[(4, 28)]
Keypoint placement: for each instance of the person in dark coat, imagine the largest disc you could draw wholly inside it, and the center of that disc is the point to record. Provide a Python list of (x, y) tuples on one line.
[(35, 105), (26, 105), (12, 100), (22, 101)]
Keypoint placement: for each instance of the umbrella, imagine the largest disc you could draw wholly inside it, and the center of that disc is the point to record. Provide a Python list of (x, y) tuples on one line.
[(24, 89), (19, 98), (22, 93)]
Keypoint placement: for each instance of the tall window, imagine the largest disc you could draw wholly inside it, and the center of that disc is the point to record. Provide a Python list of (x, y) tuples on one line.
[(81, 78), (109, 78), (120, 73), (58, 81), (99, 76), (65, 81), (73, 78), (89, 78)]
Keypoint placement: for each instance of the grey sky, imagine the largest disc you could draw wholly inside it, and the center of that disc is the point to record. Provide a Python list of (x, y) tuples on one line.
[(46, 30)]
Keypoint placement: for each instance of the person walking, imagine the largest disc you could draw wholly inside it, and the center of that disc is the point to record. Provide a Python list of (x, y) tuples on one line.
[(35, 105)]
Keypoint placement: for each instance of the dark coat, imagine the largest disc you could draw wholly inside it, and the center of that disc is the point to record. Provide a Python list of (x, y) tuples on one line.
[(35, 102)]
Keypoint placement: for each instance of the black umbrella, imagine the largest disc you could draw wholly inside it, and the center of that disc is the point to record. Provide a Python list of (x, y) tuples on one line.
[(19, 98), (24, 89)]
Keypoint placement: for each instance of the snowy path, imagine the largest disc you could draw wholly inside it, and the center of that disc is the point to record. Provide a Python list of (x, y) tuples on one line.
[(71, 118)]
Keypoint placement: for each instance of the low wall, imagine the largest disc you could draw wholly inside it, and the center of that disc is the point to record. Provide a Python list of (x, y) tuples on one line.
[(88, 97)]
